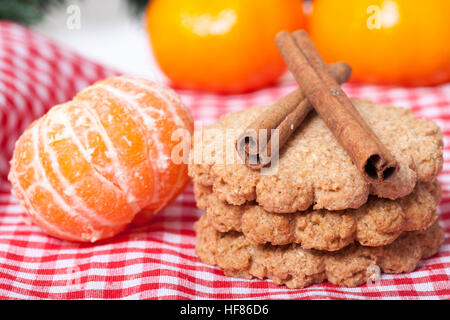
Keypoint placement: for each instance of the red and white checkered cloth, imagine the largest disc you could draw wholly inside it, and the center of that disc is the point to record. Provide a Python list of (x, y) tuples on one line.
[(158, 261)]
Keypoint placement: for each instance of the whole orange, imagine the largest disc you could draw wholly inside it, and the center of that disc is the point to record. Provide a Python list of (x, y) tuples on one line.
[(225, 46), (402, 42)]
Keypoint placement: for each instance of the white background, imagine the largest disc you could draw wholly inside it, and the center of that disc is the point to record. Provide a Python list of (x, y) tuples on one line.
[(109, 33)]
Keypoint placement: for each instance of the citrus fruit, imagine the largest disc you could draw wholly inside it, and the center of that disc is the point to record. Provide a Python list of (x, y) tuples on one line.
[(85, 169), (402, 42), (224, 46)]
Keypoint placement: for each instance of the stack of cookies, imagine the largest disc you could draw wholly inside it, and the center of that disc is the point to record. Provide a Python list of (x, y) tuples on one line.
[(312, 216)]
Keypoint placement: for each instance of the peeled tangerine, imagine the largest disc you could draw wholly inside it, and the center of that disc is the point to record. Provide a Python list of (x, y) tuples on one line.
[(93, 165)]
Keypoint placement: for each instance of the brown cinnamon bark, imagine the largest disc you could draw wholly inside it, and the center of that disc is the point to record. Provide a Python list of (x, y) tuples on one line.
[(334, 107), (302, 40), (285, 115)]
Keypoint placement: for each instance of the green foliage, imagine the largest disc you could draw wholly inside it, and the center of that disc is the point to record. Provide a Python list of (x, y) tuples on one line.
[(138, 5), (32, 11), (25, 11)]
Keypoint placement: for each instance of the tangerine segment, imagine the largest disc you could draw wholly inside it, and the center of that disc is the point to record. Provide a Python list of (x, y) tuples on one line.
[(34, 187), (144, 216), (85, 169), (160, 114), (73, 175), (128, 147), (169, 116)]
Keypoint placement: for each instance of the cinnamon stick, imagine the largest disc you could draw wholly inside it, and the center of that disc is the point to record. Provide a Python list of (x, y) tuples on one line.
[(304, 43), (334, 107), (285, 115)]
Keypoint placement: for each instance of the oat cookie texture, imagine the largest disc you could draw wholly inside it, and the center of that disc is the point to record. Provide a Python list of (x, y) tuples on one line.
[(378, 222), (297, 268), (313, 169)]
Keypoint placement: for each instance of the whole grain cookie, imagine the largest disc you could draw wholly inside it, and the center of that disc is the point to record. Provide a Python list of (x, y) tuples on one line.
[(297, 268), (378, 222), (313, 169)]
